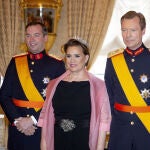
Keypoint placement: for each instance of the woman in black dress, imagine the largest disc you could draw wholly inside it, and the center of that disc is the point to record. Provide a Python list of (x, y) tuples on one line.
[(77, 106)]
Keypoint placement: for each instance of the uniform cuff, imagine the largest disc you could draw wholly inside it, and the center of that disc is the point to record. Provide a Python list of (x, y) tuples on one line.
[(34, 120)]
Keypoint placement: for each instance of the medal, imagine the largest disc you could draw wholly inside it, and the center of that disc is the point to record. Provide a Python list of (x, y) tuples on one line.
[(46, 80), (44, 92), (145, 93), (144, 78)]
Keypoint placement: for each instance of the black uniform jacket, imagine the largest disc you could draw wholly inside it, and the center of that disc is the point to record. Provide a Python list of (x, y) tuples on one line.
[(138, 66), (126, 126), (42, 68)]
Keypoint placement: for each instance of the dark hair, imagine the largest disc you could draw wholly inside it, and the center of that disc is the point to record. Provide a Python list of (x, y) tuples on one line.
[(132, 14), (77, 42), (44, 29)]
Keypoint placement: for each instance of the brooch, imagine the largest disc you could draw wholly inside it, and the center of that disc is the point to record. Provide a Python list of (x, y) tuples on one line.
[(67, 125)]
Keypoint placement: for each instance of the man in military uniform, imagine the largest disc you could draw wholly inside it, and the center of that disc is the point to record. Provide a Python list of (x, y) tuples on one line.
[(24, 89), (127, 78)]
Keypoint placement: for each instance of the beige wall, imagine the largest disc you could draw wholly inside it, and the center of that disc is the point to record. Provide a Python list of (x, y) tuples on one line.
[(62, 32)]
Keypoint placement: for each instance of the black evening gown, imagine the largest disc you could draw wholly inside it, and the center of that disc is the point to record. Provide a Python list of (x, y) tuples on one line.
[(72, 101)]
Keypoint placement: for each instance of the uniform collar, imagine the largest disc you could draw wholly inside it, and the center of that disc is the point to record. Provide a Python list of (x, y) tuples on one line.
[(37, 56), (135, 52)]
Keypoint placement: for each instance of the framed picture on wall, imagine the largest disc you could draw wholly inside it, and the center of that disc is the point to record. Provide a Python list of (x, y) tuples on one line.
[(44, 15)]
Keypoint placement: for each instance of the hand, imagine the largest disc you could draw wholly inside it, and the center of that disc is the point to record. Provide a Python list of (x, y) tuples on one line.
[(30, 131), (25, 125)]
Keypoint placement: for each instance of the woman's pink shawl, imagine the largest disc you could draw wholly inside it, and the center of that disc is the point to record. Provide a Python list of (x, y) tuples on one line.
[(100, 111)]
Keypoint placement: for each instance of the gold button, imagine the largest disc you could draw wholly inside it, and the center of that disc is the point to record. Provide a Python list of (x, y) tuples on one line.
[(131, 112), (31, 70), (132, 70), (133, 60), (32, 62), (132, 123), (28, 115)]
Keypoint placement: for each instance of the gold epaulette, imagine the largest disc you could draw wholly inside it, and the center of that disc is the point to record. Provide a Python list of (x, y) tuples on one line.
[(55, 57), (115, 52), (19, 55)]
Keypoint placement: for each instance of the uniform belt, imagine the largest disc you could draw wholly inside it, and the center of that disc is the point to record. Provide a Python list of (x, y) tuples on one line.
[(127, 108), (29, 104)]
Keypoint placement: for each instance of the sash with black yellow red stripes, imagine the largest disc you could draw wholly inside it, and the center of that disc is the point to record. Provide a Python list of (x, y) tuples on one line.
[(27, 84), (130, 89)]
